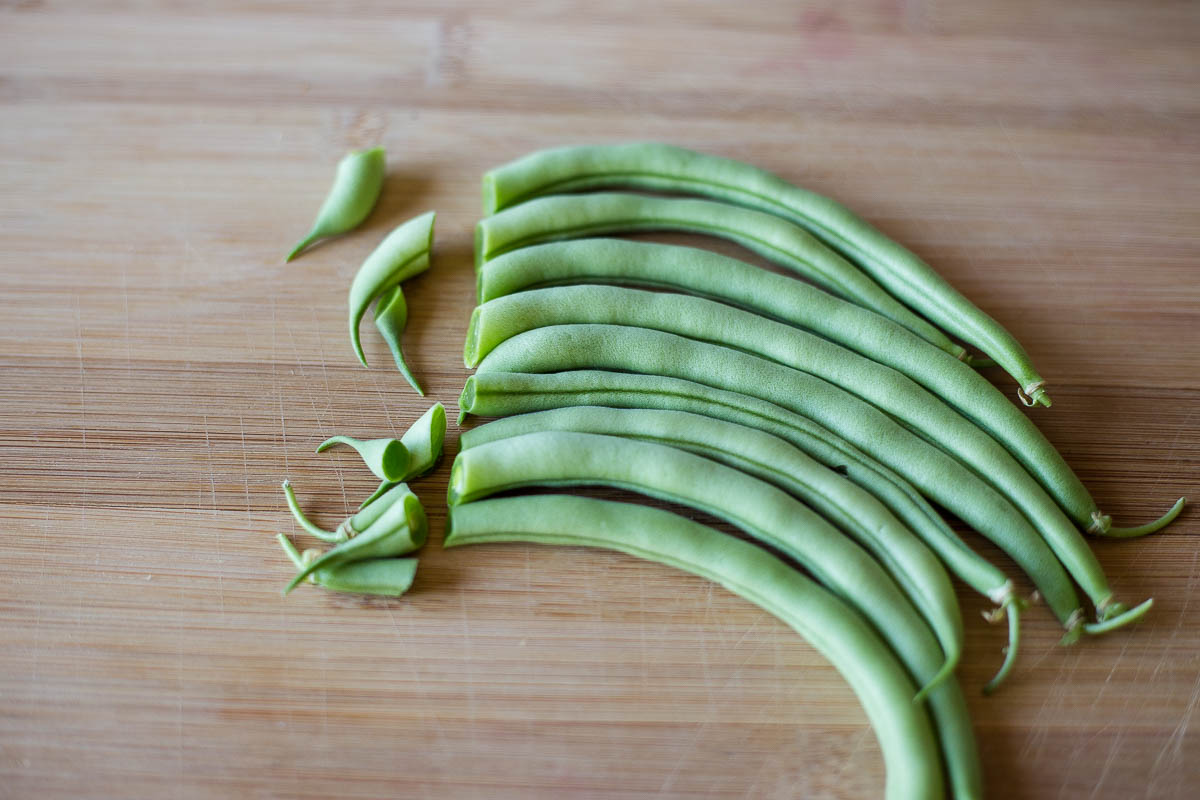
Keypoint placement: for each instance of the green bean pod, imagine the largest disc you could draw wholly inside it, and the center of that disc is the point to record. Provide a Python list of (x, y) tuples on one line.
[(662, 167), (391, 315), (782, 242), (390, 577), (386, 458), (719, 277), (355, 189), (938, 475), (855, 511), (423, 441), (400, 528), (763, 511), (350, 527), (833, 629), (401, 255)]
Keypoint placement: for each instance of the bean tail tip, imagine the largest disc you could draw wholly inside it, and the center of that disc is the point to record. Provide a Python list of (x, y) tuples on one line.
[(1119, 620), (1150, 527), (1012, 610)]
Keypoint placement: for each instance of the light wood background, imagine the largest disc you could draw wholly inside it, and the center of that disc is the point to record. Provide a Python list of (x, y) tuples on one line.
[(161, 370)]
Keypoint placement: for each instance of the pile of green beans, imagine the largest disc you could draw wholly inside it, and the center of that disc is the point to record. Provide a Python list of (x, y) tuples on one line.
[(820, 423), (389, 523)]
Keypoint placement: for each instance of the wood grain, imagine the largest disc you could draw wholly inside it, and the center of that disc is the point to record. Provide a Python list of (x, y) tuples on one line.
[(161, 370)]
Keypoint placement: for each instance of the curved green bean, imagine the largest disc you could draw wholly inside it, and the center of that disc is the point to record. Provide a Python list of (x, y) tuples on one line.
[(837, 632), (350, 527), (558, 458), (857, 512), (719, 277), (937, 474), (386, 458), (401, 255), (355, 189), (782, 242), (819, 366), (390, 577), (391, 315), (661, 167)]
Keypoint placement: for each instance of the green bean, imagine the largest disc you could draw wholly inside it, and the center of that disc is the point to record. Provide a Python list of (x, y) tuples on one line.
[(720, 277), (400, 528), (423, 442), (390, 577), (857, 512), (819, 366), (939, 476), (355, 189), (401, 255), (350, 527), (386, 458), (391, 315), (557, 458), (837, 632), (780, 241), (767, 513), (661, 167)]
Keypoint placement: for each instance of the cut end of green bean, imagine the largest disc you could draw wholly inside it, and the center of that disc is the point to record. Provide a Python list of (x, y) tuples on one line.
[(355, 189), (1150, 527), (466, 399), (391, 315), (1118, 619), (402, 254), (384, 538), (1012, 609), (305, 522), (386, 458), (471, 345), (1074, 626)]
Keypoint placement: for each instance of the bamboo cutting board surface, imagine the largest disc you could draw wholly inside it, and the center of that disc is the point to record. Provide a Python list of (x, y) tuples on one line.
[(163, 370)]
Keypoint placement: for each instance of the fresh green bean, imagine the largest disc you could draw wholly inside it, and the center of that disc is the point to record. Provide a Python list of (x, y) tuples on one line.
[(391, 315), (837, 632), (720, 277), (401, 527), (355, 189), (939, 476), (423, 442), (661, 167), (350, 527), (558, 458), (857, 512), (782, 242), (386, 458), (390, 577), (401, 255)]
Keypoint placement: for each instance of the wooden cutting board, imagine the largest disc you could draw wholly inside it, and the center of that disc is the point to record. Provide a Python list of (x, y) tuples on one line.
[(161, 370)]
